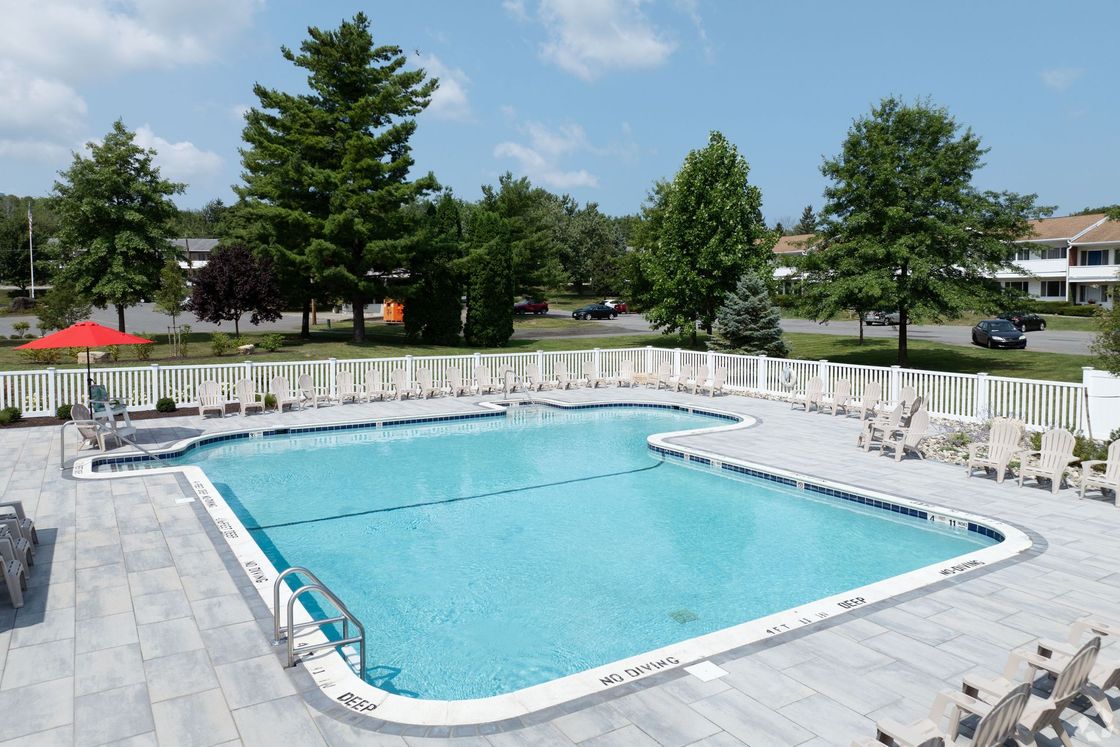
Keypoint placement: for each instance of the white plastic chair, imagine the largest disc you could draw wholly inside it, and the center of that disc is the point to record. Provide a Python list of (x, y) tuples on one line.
[(483, 381), (15, 574), (907, 438), (812, 396), (841, 397), (997, 724), (424, 385), (590, 378), (1050, 461), (626, 374), (282, 393), (307, 391), (1109, 479), (373, 385), (401, 389), (210, 399), (716, 383), (1004, 439), (344, 387), (247, 398), (680, 381), (455, 385), (533, 379), (563, 376), (663, 375), (869, 402)]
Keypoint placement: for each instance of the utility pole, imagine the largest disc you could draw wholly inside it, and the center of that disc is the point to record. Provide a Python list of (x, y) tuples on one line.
[(31, 246)]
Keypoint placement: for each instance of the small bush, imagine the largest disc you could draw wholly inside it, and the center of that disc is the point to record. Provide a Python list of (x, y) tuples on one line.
[(144, 352), (63, 411), (114, 352), (21, 329), (271, 343), (960, 438), (1063, 308), (21, 304), (10, 415), (41, 356), (3, 337), (165, 404), (220, 343), (269, 401), (184, 338), (1084, 448)]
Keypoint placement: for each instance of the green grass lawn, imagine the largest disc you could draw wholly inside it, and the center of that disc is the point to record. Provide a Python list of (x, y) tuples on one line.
[(1053, 322)]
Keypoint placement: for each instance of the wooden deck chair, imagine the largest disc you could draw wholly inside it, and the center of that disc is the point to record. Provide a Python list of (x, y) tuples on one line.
[(401, 389), (282, 393), (998, 723), (875, 430), (92, 432), (680, 381), (533, 380), (716, 383), (425, 387), (626, 375), (483, 381), (812, 396), (698, 378), (1050, 461), (563, 376), (455, 386), (869, 402), (841, 398), (307, 391), (373, 386), (15, 574), (590, 377), (345, 391), (1108, 479), (662, 376), (908, 437), (247, 398), (210, 399), (1005, 439)]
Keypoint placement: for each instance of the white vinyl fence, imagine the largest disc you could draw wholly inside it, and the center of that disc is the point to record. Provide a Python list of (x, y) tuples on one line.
[(966, 397)]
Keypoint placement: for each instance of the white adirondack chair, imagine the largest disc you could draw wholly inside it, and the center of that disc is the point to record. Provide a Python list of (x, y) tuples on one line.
[(626, 374), (997, 724), (455, 386), (483, 381), (680, 381), (662, 376), (533, 380), (14, 572), (716, 383), (282, 393), (698, 378), (564, 378), (374, 386), (1004, 442), (841, 397), (401, 389), (590, 378), (1050, 461), (876, 430), (344, 387), (307, 391), (908, 437), (869, 402), (210, 399), (247, 398), (424, 385), (812, 396), (1109, 479)]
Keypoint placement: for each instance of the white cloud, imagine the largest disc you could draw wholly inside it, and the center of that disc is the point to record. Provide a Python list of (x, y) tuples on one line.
[(450, 99), (540, 158), (516, 8), (238, 111), (691, 8), (1060, 78), (183, 161), (38, 115), (590, 37)]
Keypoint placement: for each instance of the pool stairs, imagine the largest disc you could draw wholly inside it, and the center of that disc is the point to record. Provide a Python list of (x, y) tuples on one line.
[(287, 632)]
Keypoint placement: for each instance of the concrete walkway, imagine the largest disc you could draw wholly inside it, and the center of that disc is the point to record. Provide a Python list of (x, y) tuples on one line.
[(139, 628)]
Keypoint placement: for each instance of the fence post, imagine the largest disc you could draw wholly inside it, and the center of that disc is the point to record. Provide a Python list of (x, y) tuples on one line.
[(711, 361), (894, 386), (596, 357), (761, 374), (333, 371), (156, 383), (540, 364), (52, 391), (477, 362), (649, 359), (824, 372), (676, 361), (981, 405)]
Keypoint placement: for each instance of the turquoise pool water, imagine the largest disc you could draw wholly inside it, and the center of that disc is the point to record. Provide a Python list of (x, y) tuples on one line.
[(488, 555)]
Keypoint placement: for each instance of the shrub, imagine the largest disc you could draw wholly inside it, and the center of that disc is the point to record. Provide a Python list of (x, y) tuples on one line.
[(20, 304), (21, 329), (3, 337), (165, 404), (269, 401), (960, 438), (114, 352), (271, 343), (63, 411), (1084, 448), (144, 352), (1064, 308), (10, 415), (184, 338), (48, 357), (220, 343)]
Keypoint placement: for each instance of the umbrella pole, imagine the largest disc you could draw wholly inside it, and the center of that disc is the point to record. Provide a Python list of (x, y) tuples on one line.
[(89, 386)]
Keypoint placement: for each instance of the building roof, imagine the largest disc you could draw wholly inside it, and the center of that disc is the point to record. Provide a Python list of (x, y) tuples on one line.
[(196, 245), (1064, 227), (1107, 231), (792, 244)]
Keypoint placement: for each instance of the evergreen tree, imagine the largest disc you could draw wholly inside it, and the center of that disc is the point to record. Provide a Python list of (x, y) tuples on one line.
[(117, 220), (490, 288), (749, 322), (531, 216), (808, 222), (433, 310)]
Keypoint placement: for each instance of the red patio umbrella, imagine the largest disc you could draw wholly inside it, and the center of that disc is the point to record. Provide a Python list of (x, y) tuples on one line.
[(84, 335)]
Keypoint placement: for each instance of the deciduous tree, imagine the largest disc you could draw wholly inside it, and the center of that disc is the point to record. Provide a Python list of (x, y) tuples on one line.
[(1107, 343), (116, 221), (234, 283), (62, 306)]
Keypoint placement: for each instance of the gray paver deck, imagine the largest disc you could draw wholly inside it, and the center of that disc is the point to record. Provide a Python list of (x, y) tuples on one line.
[(138, 627)]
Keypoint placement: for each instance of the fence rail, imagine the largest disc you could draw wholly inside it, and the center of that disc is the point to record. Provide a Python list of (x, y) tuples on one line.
[(966, 397)]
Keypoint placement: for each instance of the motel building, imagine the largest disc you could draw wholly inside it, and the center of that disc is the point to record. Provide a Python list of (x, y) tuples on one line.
[(1074, 258)]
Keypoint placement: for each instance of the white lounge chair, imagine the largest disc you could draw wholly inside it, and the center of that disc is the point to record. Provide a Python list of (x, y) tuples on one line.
[(1004, 439), (698, 378), (812, 396), (455, 385), (589, 377), (345, 391), (510, 381), (716, 383), (15, 574), (210, 399), (247, 398), (533, 380), (92, 432), (908, 437), (483, 381), (869, 402), (564, 378), (1050, 461), (997, 724), (841, 397), (875, 430), (906, 396), (24, 550), (307, 391), (662, 376), (680, 381), (424, 384), (401, 388), (626, 375), (282, 393), (1040, 712), (14, 509), (1109, 479), (374, 387)]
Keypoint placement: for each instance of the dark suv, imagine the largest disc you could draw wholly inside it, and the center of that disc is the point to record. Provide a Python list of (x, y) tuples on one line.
[(1024, 321)]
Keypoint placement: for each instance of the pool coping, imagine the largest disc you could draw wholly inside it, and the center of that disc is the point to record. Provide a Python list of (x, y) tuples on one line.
[(380, 710)]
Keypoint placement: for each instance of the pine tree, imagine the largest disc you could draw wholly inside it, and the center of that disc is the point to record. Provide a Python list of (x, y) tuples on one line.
[(749, 322), (808, 222), (490, 289), (433, 311)]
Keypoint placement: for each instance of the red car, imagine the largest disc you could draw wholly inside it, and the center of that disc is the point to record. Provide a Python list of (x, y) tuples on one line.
[(614, 303), (530, 307)]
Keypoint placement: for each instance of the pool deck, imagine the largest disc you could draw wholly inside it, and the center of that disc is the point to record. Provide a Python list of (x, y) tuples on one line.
[(140, 628)]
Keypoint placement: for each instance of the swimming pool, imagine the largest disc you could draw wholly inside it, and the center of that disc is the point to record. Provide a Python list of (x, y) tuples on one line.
[(490, 555)]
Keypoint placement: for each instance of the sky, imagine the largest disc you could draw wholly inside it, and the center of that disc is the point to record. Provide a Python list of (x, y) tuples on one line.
[(594, 98)]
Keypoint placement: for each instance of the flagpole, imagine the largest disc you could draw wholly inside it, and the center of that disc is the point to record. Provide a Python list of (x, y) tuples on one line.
[(31, 246)]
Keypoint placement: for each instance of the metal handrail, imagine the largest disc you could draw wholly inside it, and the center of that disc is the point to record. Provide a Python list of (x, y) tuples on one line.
[(101, 425), (345, 618)]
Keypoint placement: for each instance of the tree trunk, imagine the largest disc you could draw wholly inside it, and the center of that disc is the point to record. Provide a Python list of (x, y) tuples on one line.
[(120, 317), (359, 306), (903, 354), (305, 323), (860, 314), (237, 326)]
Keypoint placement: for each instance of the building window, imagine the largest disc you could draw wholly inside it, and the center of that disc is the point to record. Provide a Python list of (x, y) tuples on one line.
[(1022, 255), (1053, 288), (1054, 252), (1019, 285), (1094, 257)]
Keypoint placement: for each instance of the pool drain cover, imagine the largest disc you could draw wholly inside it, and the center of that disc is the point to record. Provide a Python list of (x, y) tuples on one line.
[(684, 616)]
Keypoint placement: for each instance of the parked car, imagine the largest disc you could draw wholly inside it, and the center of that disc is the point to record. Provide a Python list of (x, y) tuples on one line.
[(998, 333), (883, 318), (594, 311), (1025, 321), (530, 306), (614, 303)]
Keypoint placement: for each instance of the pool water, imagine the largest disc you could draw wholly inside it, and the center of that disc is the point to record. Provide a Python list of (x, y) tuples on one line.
[(488, 555)]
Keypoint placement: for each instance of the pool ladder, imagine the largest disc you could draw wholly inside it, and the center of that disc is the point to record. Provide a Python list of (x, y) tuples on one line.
[(281, 632)]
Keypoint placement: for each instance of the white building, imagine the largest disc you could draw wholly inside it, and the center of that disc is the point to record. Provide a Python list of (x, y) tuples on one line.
[(194, 253)]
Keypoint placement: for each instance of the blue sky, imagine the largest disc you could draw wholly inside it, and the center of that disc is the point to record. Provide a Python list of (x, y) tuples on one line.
[(596, 98)]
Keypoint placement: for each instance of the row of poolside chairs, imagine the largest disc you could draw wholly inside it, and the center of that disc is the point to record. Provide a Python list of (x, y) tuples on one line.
[(841, 399), (695, 380), (18, 538), (1038, 685)]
